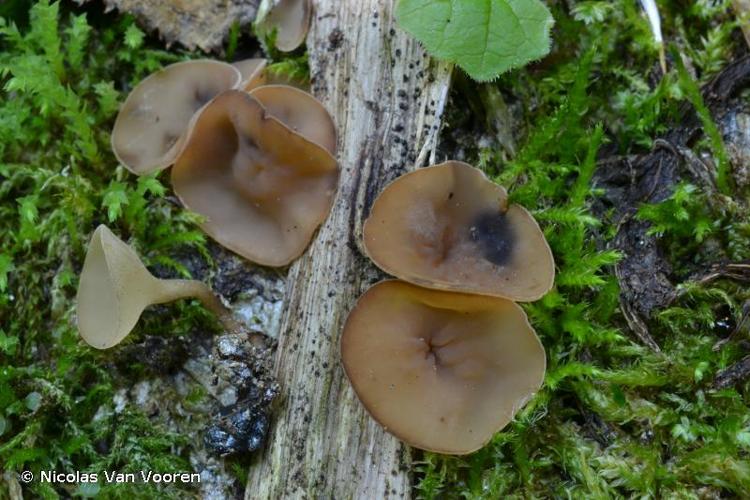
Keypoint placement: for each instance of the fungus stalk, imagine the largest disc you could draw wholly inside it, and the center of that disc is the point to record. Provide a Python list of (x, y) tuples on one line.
[(115, 287), (171, 290)]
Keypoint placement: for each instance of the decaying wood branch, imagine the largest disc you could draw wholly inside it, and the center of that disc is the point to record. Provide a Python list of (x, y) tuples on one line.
[(387, 99)]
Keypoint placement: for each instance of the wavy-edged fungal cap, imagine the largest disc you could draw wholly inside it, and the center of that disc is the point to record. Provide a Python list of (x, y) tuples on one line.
[(150, 128), (263, 188), (449, 227), (253, 73), (441, 371), (291, 19), (299, 111)]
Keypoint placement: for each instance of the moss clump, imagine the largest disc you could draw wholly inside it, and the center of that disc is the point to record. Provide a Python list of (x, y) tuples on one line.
[(614, 418), (62, 80)]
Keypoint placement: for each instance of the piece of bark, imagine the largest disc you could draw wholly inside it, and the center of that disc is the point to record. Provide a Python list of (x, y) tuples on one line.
[(202, 24), (738, 372), (387, 98)]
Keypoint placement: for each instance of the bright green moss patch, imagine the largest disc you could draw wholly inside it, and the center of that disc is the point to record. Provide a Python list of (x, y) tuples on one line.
[(62, 81)]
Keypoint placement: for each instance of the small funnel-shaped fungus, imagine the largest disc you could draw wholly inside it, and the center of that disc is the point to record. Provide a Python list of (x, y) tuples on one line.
[(150, 129), (291, 20), (441, 371), (115, 288), (263, 188), (299, 111), (449, 227)]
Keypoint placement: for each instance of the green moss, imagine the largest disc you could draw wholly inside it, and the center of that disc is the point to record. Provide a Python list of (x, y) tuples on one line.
[(615, 419), (62, 81)]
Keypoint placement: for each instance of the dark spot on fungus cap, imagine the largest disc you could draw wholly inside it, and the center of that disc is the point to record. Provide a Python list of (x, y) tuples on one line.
[(449, 227), (493, 234), (263, 188), (441, 371), (152, 123)]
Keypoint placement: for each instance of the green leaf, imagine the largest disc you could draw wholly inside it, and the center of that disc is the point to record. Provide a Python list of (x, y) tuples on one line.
[(484, 37), (107, 98), (150, 184), (78, 36)]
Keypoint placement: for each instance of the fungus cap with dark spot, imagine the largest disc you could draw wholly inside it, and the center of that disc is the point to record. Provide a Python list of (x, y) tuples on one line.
[(299, 111), (263, 188), (150, 128), (442, 371), (449, 227), (291, 20)]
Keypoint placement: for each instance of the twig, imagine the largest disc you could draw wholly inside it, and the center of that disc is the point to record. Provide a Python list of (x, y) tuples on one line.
[(637, 325), (733, 374)]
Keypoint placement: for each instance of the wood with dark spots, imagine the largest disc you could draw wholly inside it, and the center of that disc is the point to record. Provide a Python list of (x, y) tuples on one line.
[(324, 444)]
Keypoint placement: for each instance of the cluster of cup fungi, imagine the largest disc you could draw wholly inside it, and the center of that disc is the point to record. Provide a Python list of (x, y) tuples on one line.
[(254, 158), (442, 357), (249, 152)]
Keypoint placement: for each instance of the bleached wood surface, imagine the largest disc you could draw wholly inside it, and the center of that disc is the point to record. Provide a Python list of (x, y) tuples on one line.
[(387, 98)]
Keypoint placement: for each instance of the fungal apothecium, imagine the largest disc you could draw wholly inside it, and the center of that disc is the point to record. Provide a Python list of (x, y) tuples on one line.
[(446, 360), (449, 227), (262, 175), (263, 188), (442, 371), (289, 20), (115, 287), (150, 128)]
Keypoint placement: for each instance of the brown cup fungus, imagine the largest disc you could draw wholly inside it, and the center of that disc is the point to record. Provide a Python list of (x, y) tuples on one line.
[(291, 21), (442, 371), (263, 188), (299, 111), (448, 227), (151, 126), (253, 73), (115, 288)]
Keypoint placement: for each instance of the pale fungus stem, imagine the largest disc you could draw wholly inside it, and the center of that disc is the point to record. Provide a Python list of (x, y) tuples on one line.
[(180, 289)]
